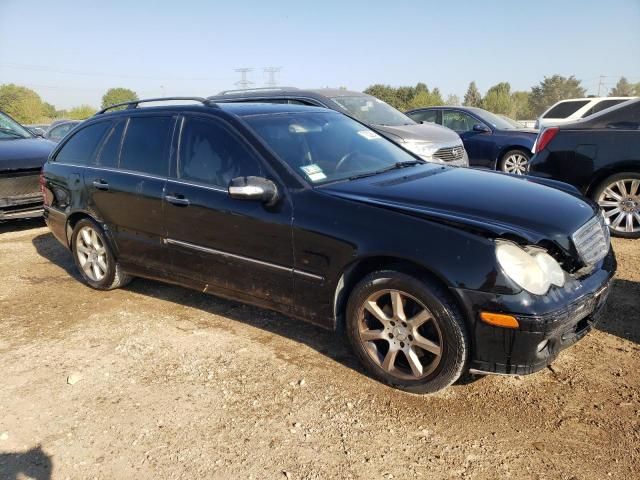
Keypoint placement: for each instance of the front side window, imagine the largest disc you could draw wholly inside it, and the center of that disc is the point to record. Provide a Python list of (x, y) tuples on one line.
[(81, 148), (565, 109), (370, 110), (57, 133), (146, 144), (327, 146), (211, 154), (458, 121)]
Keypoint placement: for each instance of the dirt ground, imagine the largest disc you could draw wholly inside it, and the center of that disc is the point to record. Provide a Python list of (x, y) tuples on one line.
[(154, 381)]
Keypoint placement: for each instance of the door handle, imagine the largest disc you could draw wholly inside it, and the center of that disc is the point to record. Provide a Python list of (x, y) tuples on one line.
[(101, 184), (177, 200)]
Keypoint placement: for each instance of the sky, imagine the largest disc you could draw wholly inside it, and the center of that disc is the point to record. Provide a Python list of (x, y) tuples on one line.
[(71, 52)]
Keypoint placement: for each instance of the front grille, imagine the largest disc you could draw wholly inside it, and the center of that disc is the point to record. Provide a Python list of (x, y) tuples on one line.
[(16, 186), (592, 241), (450, 154)]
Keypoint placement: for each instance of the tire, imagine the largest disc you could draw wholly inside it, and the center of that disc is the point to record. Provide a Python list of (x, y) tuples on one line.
[(623, 213), (515, 162), (412, 367), (94, 258)]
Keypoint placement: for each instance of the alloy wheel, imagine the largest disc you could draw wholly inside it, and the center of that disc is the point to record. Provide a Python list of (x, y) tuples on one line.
[(400, 334), (620, 202), (515, 163), (91, 253)]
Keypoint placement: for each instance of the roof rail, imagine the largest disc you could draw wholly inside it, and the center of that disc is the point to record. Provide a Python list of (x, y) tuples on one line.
[(134, 103), (257, 90)]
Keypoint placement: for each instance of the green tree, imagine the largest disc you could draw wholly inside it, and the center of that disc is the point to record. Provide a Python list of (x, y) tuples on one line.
[(498, 99), (472, 98), (81, 113), (118, 95), (520, 109), (623, 89), (48, 111), (553, 89), (452, 100), (386, 93), (21, 103)]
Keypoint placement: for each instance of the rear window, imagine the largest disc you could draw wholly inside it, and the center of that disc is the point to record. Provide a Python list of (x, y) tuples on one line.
[(145, 147), (565, 109), (81, 147), (604, 104)]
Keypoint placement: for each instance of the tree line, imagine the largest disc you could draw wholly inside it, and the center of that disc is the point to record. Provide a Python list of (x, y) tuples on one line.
[(520, 105), (26, 106)]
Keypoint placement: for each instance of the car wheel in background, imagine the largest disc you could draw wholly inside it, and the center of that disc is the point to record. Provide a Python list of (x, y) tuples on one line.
[(407, 332), (94, 257), (515, 161), (619, 199)]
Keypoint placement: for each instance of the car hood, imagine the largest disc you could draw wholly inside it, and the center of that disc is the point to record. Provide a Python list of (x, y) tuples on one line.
[(25, 153), (496, 204), (428, 132)]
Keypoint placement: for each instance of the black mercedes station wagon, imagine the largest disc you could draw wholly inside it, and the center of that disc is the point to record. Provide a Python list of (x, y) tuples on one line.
[(303, 210)]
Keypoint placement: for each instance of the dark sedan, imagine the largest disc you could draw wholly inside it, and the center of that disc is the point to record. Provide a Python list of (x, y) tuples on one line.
[(490, 141), (600, 156), (22, 155)]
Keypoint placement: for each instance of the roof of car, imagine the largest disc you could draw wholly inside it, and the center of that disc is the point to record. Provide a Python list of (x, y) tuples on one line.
[(287, 92)]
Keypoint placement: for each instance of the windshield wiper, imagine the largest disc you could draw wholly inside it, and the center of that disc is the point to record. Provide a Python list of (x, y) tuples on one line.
[(395, 166), (11, 132)]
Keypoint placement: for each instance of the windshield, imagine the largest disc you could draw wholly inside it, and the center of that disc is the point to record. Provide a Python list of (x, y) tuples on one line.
[(497, 122), (370, 110), (10, 129), (325, 146)]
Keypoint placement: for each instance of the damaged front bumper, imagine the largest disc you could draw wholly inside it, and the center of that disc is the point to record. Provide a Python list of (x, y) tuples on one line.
[(547, 324)]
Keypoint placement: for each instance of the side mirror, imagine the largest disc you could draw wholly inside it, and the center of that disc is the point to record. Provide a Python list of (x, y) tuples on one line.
[(479, 127), (254, 188)]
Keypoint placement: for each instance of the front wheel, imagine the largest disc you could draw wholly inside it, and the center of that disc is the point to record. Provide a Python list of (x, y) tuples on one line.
[(515, 161), (619, 199), (407, 332)]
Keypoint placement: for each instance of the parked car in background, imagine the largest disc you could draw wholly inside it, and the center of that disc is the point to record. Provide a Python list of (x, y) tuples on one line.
[(568, 111), (38, 130), (490, 141), (22, 155), (600, 156), (428, 274), (60, 129), (430, 142)]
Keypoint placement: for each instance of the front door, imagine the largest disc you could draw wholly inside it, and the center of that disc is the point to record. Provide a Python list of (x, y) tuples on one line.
[(479, 145), (238, 248)]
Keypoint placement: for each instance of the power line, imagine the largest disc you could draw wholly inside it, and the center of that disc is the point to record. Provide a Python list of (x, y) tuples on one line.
[(271, 71)]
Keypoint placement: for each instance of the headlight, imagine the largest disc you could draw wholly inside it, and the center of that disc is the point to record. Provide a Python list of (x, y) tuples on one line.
[(423, 149), (535, 271)]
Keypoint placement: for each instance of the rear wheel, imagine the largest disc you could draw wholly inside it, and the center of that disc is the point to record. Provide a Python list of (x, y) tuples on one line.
[(407, 332), (515, 161), (619, 199), (94, 257)]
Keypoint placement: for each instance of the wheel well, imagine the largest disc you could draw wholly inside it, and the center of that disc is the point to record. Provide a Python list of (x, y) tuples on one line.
[(512, 147), (71, 223), (359, 269), (603, 175)]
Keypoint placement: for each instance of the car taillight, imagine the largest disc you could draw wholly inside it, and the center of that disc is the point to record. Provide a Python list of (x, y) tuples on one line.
[(545, 137)]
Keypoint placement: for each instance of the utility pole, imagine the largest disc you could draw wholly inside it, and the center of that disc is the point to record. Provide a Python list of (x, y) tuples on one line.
[(600, 83), (272, 75), (243, 82)]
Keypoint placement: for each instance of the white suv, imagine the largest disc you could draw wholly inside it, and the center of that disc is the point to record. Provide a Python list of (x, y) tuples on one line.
[(566, 111)]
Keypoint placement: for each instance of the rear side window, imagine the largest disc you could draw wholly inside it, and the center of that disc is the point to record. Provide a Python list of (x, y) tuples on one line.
[(146, 143), (108, 155), (81, 147), (598, 107), (565, 109), (425, 116), (211, 154)]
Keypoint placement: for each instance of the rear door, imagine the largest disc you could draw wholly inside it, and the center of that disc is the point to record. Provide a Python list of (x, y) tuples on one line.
[(238, 247), (126, 187)]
